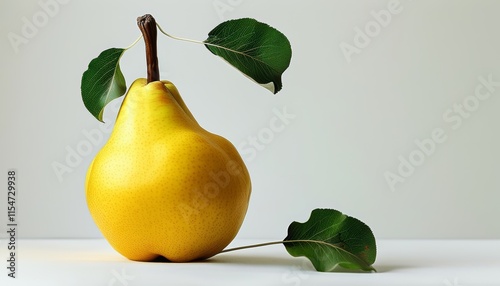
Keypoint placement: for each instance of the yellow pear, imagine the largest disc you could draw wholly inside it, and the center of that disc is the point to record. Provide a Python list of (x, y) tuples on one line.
[(164, 186)]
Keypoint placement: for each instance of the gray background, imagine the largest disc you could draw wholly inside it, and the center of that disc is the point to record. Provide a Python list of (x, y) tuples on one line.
[(354, 116)]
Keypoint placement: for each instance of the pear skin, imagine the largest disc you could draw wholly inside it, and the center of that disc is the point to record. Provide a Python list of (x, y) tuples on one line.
[(164, 186)]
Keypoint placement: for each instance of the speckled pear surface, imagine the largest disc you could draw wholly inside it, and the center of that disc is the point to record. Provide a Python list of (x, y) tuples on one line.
[(164, 186)]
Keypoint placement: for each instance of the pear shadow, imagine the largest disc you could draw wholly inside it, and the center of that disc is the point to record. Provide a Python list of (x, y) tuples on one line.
[(239, 259), (160, 259), (256, 260)]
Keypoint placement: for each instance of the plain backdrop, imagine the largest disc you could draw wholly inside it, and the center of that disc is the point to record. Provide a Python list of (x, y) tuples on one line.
[(389, 118)]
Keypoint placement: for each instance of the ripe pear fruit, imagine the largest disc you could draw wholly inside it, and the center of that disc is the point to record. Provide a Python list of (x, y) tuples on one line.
[(164, 186)]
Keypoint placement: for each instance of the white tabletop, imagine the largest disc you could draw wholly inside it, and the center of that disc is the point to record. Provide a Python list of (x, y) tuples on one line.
[(399, 262)]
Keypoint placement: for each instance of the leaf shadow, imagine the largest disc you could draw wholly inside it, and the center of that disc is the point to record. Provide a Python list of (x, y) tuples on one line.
[(292, 262), (300, 262), (258, 260), (384, 268)]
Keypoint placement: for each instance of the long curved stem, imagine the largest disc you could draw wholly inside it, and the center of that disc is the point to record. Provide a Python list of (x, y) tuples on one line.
[(197, 42), (280, 242), (178, 38), (133, 44), (252, 246)]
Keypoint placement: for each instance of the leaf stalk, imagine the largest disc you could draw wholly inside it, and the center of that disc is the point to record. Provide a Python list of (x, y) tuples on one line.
[(251, 246)]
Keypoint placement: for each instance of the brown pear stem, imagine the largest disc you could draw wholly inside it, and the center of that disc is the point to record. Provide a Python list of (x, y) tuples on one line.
[(147, 24)]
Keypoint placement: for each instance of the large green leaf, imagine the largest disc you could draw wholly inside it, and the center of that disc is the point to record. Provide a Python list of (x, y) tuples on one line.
[(256, 49), (103, 81), (330, 239)]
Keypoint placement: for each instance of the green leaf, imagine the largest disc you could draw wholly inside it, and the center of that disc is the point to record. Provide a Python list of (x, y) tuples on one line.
[(256, 49), (330, 239), (103, 81)]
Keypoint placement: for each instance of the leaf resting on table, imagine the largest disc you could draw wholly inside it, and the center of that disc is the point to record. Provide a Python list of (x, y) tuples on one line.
[(330, 239)]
